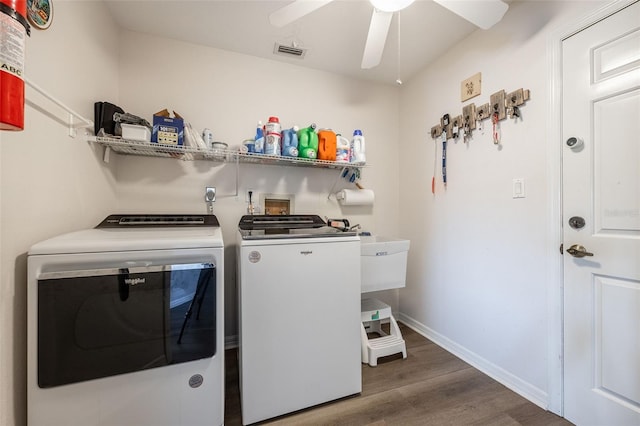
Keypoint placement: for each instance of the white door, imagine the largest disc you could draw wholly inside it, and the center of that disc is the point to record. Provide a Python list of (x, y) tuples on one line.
[(601, 185)]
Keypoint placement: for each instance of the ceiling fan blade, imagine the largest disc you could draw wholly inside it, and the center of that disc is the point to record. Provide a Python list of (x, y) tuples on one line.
[(482, 13), (295, 10), (376, 39)]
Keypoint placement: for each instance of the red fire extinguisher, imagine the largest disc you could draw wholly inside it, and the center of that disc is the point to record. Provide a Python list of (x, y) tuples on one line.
[(13, 31)]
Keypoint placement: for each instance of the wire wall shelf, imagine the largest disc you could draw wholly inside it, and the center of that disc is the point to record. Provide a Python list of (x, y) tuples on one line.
[(132, 147)]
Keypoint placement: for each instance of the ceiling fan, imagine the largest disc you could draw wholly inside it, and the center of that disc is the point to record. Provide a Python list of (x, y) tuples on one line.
[(482, 13)]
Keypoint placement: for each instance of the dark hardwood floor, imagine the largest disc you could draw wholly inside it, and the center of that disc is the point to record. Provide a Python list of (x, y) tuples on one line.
[(430, 387)]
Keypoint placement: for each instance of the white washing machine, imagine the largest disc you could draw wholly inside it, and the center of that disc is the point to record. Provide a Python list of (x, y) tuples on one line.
[(126, 324), (299, 302)]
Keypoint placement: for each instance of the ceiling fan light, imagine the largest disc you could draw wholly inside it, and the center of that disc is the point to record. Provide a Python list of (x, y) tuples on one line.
[(390, 5)]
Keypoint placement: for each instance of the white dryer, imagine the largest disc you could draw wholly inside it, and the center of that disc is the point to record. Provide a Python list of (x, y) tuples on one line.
[(126, 324), (299, 301)]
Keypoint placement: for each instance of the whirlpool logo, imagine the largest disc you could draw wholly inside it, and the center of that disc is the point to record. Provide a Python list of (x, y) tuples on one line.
[(306, 252), (134, 281)]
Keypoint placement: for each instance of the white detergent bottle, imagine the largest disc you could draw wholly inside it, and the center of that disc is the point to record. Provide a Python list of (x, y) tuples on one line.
[(343, 149), (273, 137), (357, 148)]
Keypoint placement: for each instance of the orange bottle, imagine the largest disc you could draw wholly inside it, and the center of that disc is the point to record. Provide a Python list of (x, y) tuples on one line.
[(327, 144)]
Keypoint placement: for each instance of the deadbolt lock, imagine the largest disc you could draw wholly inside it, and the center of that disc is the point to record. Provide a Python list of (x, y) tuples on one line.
[(576, 222), (575, 143)]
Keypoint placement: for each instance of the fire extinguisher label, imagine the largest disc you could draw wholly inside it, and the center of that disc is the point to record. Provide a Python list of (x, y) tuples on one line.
[(12, 45)]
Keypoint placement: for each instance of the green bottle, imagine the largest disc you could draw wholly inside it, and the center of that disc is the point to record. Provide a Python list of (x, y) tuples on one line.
[(308, 142)]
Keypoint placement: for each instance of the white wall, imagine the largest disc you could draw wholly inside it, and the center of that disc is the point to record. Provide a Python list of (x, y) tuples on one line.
[(229, 93), (478, 261), (51, 183), (59, 184)]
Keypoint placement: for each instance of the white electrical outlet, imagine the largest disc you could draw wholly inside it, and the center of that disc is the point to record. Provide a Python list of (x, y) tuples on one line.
[(518, 188)]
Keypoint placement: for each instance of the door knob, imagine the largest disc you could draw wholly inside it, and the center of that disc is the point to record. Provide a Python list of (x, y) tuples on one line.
[(577, 250)]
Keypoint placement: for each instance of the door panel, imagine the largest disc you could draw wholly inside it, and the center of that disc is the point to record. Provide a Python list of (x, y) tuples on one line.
[(616, 157), (601, 183), (616, 57), (617, 341)]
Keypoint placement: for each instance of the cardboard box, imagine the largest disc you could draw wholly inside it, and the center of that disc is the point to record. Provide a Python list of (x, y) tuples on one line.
[(167, 130)]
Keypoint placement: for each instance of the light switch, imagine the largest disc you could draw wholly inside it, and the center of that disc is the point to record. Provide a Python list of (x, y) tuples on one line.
[(518, 188)]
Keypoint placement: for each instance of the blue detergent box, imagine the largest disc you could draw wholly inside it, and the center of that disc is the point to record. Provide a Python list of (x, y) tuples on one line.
[(167, 130)]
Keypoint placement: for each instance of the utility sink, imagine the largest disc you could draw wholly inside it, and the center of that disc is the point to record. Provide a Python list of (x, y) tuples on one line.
[(383, 262)]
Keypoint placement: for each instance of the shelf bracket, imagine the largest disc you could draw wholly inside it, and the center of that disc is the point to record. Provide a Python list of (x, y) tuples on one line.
[(336, 182), (107, 154), (84, 122)]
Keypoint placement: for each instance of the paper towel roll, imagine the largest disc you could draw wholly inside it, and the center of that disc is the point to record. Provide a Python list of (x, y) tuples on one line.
[(355, 197)]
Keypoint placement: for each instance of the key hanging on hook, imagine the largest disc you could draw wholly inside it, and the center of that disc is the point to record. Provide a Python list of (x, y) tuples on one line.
[(495, 127), (444, 158), (515, 113), (445, 125), (467, 129), (435, 164)]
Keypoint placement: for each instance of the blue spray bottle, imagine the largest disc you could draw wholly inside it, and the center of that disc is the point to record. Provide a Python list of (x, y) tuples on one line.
[(259, 139)]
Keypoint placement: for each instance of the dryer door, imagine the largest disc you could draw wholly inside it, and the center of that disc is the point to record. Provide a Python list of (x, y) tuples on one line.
[(99, 323)]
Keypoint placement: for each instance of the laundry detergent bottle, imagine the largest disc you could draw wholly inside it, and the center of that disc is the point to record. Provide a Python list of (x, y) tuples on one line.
[(308, 142), (343, 149), (290, 142), (326, 145), (357, 148), (273, 137)]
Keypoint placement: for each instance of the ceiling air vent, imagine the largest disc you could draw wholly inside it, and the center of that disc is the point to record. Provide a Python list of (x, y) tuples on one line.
[(293, 50)]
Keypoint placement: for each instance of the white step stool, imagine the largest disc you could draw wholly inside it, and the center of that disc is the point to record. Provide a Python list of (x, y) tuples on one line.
[(372, 313)]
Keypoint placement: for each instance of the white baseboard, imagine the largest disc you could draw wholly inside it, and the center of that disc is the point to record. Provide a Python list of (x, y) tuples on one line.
[(519, 386)]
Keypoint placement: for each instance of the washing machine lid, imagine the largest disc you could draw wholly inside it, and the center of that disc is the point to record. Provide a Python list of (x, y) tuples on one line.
[(298, 221), (113, 237), (261, 227), (158, 220)]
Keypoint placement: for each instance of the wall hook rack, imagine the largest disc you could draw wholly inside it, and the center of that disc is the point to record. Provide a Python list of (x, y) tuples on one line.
[(501, 103)]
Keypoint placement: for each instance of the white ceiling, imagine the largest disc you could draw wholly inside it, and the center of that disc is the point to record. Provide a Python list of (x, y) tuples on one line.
[(334, 34)]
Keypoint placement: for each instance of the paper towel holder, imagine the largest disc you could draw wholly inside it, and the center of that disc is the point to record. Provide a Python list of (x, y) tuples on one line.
[(355, 197)]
